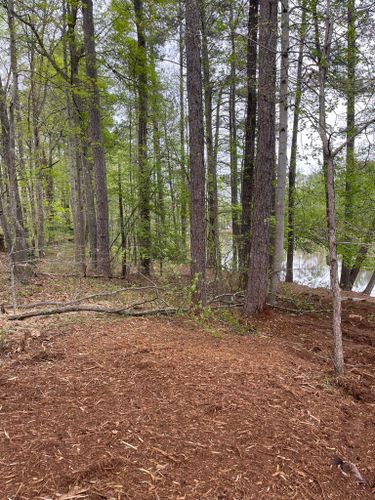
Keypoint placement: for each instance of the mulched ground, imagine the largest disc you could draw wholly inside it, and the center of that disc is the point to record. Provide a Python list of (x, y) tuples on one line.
[(104, 408)]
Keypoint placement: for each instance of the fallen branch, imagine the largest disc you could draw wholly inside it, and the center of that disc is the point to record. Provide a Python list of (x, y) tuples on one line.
[(123, 311), (87, 297)]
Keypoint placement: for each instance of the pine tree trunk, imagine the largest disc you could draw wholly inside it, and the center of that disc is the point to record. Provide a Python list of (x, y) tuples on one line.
[(293, 151), (346, 282), (213, 250), (183, 173), (257, 285), (143, 167), (196, 144), (96, 141), (233, 145), (249, 153), (124, 267), (283, 149)]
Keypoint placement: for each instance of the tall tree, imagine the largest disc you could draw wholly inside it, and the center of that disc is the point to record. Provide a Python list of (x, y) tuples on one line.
[(96, 140), (293, 150), (256, 292), (323, 51), (196, 147), (144, 171), (233, 152), (283, 147), (213, 253), (346, 281), (249, 152)]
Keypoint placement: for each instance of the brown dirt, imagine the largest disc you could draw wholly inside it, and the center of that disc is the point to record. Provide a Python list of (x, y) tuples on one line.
[(160, 409)]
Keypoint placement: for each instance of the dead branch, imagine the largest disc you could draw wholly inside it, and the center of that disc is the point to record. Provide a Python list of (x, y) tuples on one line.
[(89, 297), (123, 311)]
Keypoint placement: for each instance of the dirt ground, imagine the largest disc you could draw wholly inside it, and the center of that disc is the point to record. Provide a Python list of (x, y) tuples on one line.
[(173, 408)]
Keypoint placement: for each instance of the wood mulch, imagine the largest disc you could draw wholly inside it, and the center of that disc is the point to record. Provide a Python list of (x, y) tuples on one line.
[(157, 408)]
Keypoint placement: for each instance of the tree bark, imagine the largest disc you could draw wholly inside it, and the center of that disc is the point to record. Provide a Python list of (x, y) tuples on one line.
[(346, 282), (183, 173), (233, 153), (13, 231), (213, 250), (196, 145), (143, 167), (323, 59), (249, 153), (96, 141), (283, 150), (124, 267), (293, 151), (256, 293)]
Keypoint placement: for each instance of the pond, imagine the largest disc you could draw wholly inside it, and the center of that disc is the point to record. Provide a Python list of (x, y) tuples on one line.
[(312, 270)]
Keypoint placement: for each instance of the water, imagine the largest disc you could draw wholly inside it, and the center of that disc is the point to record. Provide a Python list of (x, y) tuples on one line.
[(312, 270)]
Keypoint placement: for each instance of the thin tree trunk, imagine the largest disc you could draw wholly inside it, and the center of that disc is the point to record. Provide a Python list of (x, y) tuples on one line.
[(233, 145), (293, 151), (183, 173), (143, 167), (345, 282), (15, 110), (257, 285), (124, 267), (196, 143), (249, 153), (283, 148), (213, 250), (74, 143), (323, 55), (160, 208), (96, 141)]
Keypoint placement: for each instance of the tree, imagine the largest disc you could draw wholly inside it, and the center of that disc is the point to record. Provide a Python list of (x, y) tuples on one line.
[(144, 173), (196, 147), (257, 286), (96, 140), (249, 151), (283, 147), (293, 149), (213, 251)]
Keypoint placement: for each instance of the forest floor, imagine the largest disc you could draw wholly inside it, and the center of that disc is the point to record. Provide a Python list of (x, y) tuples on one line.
[(210, 407)]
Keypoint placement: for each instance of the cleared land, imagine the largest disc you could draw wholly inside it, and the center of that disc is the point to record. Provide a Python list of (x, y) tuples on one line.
[(175, 408)]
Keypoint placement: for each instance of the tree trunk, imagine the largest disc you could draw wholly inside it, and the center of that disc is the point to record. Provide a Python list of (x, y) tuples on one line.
[(15, 110), (283, 150), (233, 144), (14, 232), (370, 285), (256, 293), (96, 141), (323, 56), (74, 142), (183, 173), (143, 167), (124, 270), (213, 250), (249, 153), (196, 144), (293, 151), (346, 282)]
